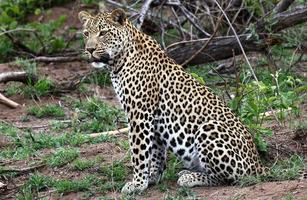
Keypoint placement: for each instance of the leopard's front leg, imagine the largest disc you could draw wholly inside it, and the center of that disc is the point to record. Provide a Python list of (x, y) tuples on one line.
[(140, 136)]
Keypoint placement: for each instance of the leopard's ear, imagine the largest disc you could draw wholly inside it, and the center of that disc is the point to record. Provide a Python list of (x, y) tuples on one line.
[(84, 16), (118, 15)]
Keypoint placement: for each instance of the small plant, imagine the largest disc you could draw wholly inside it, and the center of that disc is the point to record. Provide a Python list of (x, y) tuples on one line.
[(35, 183), (8, 130), (13, 89), (82, 164), (48, 110), (182, 194), (38, 182), (62, 157), (66, 186), (40, 88), (101, 78), (173, 167), (99, 116), (288, 169), (116, 171), (249, 180)]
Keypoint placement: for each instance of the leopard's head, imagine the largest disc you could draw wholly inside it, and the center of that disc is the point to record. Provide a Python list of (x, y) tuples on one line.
[(104, 34)]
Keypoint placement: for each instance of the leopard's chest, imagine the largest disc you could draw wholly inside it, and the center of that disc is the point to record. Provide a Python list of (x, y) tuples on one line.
[(118, 88)]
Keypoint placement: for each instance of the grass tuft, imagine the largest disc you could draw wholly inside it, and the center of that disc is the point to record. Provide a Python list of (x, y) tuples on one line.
[(62, 157), (48, 110)]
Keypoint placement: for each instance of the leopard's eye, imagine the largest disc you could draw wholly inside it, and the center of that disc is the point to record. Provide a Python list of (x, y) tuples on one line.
[(102, 33), (85, 33)]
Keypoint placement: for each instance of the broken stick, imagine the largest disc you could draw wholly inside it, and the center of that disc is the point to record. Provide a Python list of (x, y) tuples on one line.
[(21, 76), (8, 102), (123, 130)]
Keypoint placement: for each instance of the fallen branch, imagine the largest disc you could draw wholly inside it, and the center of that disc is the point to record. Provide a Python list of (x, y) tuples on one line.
[(223, 47), (22, 76), (218, 49), (283, 20), (23, 170), (8, 102), (283, 5), (56, 59), (123, 130)]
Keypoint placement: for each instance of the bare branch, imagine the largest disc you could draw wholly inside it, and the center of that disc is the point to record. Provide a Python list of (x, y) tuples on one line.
[(22, 76), (289, 18), (23, 170), (283, 5), (123, 130), (56, 59), (222, 47), (239, 42), (205, 45), (143, 13), (8, 102), (191, 17)]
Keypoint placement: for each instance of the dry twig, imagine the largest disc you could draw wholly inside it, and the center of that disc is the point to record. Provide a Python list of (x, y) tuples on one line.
[(21, 76), (56, 59), (8, 102), (143, 13), (205, 45), (239, 42), (23, 170), (123, 130)]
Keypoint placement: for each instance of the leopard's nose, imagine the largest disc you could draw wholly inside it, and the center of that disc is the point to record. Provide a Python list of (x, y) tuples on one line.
[(90, 49)]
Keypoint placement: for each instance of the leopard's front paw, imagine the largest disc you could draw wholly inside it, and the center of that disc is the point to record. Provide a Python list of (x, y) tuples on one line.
[(132, 187)]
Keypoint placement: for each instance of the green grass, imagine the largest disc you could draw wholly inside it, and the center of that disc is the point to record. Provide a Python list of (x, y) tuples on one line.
[(287, 169), (42, 87), (101, 78), (173, 167), (49, 110), (62, 157), (116, 171), (82, 164), (66, 186), (28, 144), (8, 130), (13, 89), (99, 116), (38, 182)]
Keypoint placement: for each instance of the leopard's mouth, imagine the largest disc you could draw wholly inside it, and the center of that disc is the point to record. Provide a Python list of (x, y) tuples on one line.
[(100, 62), (104, 58)]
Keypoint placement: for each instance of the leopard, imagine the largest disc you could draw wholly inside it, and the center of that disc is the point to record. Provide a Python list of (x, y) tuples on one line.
[(167, 109)]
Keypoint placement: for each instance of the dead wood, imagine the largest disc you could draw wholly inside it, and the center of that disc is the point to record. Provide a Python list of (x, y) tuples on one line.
[(119, 131), (8, 102), (22, 170), (283, 5), (223, 47), (143, 13), (21, 76), (218, 49), (57, 59)]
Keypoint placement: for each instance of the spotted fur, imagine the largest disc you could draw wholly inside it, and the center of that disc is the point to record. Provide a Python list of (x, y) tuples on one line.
[(167, 109)]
